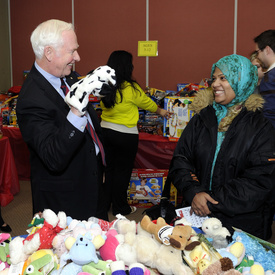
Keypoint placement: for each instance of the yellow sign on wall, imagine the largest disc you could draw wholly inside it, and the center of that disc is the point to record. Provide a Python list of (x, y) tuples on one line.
[(147, 48)]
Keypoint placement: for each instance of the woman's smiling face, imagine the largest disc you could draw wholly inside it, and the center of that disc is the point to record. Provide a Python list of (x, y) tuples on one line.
[(223, 92)]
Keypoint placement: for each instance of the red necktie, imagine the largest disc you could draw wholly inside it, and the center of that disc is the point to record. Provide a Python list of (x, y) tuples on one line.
[(91, 130), (97, 141), (64, 87)]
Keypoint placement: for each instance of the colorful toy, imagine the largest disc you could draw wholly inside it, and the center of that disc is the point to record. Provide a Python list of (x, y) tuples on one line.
[(176, 236), (81, 253), (21, 248), (118, 268), (256, 250), (58, 242), (5, 239), (235, 251), (40, 262), (223, 266), (138, 245), (102, 267), (219, 235)]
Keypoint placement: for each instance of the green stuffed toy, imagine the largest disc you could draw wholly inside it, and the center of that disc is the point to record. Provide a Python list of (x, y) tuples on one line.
[(5, 262), (102, 267), (40, 262)]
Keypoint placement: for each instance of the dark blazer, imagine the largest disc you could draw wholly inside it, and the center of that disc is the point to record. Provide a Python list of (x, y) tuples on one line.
[(64, 166)]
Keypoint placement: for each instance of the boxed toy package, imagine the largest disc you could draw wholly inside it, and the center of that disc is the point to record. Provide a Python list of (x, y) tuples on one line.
[(173, 127), (146, 187), (150, 123)]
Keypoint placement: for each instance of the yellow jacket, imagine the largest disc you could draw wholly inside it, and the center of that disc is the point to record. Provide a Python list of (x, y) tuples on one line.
[(126, 112)]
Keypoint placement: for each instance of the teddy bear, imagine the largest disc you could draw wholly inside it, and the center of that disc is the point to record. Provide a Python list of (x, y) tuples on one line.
[(100, 82), (130, 243), (168, 260), (176, 236), (150, 252), (235, 251), (58, 242), (224, 266), (219, 235), (21, 248)]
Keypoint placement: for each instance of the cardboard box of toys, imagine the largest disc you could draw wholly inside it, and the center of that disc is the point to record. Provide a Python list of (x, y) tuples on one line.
[(146, 187), (150, 123), (173, 127)]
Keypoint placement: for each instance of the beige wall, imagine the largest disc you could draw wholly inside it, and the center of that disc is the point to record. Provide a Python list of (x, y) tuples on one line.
[(5, 66)]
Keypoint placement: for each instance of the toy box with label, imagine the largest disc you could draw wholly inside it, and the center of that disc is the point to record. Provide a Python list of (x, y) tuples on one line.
[(150, 123), (173, 127), (146, 187)]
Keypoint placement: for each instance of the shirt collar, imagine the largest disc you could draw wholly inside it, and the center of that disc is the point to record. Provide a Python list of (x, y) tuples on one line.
[(53, 80), (271, 67)]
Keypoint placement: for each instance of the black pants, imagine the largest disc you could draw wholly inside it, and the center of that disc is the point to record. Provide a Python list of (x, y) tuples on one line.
[(1, 219), (102, 211), (120, 152)]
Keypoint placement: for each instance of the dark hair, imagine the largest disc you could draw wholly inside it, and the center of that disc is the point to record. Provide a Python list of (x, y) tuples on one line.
[(266, 38), (122, 63)]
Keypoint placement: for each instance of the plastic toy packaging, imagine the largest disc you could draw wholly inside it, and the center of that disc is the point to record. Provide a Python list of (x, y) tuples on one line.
[(201, 256)]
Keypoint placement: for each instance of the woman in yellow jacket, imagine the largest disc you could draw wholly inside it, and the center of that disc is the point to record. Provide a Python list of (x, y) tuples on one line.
[(120, 133)]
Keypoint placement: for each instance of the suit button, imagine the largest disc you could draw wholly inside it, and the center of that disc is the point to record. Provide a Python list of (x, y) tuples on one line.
[(72, 134)]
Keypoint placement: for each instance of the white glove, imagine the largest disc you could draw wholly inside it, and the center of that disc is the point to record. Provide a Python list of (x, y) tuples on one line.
[(100, 83)]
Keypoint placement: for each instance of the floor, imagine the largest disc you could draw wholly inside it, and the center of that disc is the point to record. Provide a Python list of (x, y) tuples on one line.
[(18, 214)]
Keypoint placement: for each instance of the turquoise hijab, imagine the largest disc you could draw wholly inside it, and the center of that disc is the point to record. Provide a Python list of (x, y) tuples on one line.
[(243, 78)]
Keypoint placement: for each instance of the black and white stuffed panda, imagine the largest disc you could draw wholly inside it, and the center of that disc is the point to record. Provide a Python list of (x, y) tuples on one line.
[(100, 83)]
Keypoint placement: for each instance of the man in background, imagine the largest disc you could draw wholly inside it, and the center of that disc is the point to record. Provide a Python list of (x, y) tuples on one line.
[(66, 165), (265, 47)]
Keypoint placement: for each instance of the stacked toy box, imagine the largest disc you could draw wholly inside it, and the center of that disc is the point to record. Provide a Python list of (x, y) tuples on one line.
[(146, 187), (174, 126)]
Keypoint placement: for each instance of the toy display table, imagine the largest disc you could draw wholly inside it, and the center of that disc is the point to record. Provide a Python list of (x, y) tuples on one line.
[(9, 183), (20, 151), (154, 152)]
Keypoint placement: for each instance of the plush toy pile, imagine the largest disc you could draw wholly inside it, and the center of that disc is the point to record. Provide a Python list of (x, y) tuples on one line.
[(58, 244)]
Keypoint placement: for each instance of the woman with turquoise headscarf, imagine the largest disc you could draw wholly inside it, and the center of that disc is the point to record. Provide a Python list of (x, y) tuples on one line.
[(224, 164)]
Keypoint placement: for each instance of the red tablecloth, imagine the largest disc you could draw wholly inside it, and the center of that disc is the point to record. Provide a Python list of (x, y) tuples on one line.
[(154, 152), (9, 183), (20, 151)]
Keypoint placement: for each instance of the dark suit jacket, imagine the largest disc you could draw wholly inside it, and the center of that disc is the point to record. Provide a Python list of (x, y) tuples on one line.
[(64, 166)]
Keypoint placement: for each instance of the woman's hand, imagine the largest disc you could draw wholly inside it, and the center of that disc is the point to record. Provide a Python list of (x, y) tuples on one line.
[(164, 113), (199, 204)]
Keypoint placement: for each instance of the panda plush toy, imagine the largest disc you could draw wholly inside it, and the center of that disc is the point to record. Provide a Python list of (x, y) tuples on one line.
[(100, 83)]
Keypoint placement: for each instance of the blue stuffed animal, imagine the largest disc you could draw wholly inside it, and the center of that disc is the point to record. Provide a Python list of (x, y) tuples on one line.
[(81, 253)]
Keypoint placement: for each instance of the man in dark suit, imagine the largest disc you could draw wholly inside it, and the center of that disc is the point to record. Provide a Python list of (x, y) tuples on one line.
[(265, 48), (66, 164)]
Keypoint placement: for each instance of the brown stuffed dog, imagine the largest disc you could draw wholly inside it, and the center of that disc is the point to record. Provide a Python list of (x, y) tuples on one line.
[(224, 266), (176, 236)]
